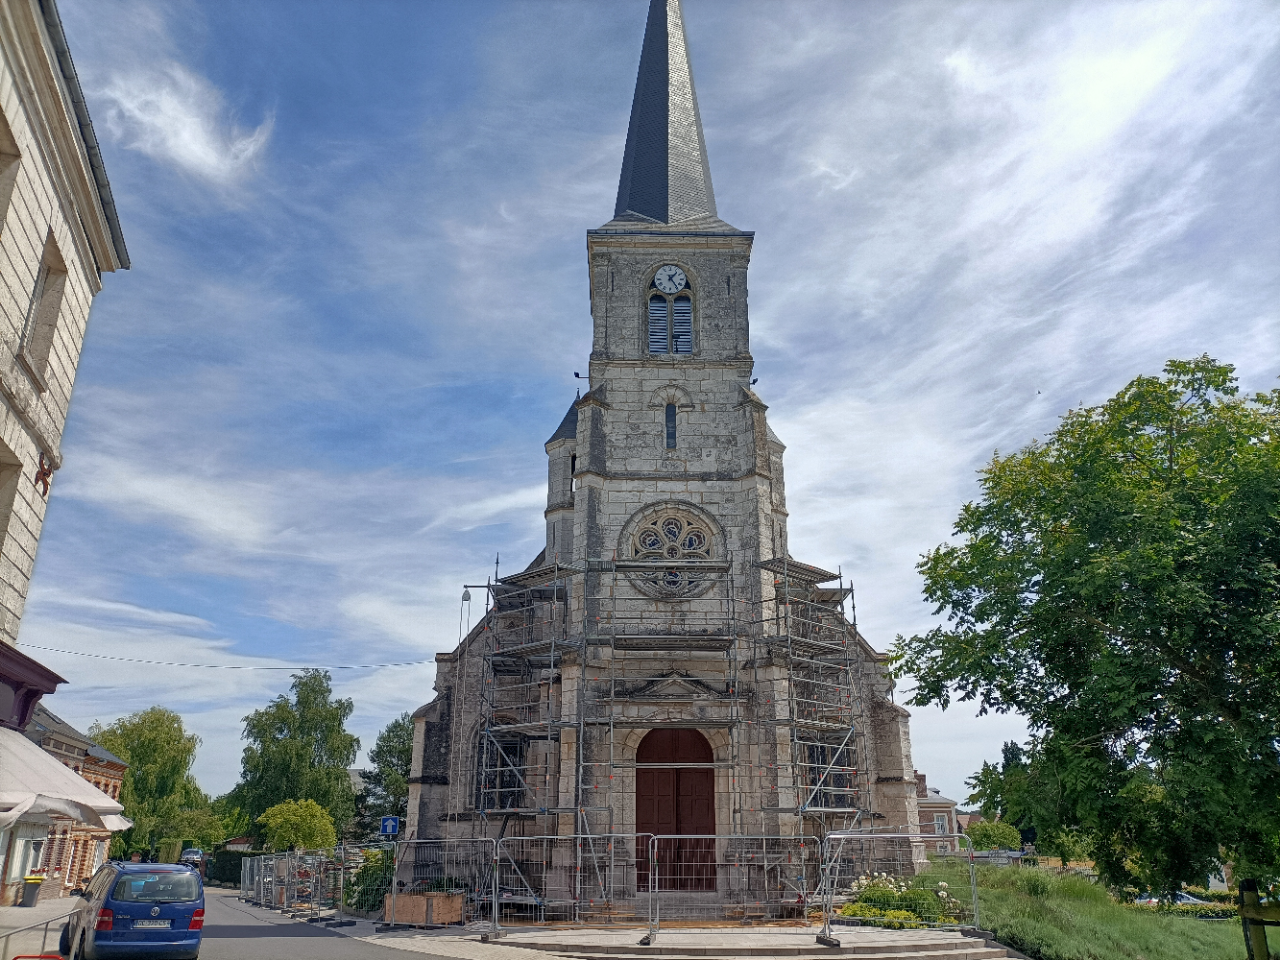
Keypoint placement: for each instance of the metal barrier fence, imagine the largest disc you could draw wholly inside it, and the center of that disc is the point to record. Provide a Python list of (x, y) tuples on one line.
[(858, 877), (442, 882), (35, 940), (875, 879), (581, 879), (748, 879), (315, 881)]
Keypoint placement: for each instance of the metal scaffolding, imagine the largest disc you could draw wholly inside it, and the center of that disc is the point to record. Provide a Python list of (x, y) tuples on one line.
[(568, 662)]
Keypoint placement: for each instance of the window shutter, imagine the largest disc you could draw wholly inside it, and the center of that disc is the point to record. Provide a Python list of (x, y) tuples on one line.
[(658, 342), (37, 294), (682, 327)]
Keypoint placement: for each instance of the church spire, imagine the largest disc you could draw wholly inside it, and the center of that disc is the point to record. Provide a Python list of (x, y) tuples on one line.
[(665, 174)]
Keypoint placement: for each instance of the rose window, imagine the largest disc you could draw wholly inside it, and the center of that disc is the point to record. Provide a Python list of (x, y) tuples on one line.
[(676, 539)]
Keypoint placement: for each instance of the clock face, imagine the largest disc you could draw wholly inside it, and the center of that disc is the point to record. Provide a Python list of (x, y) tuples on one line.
[(669, 279)]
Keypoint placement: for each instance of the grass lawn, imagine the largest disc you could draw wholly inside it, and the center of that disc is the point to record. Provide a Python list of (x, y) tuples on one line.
[(1070, 918)]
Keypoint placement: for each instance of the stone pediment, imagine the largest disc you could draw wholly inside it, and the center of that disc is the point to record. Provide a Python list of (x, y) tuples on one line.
[(675, 686)]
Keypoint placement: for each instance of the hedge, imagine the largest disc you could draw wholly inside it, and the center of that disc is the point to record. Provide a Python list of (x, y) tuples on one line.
[(225, 865)]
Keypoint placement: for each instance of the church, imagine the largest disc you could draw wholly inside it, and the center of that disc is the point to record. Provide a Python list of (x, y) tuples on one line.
[(664, 666)]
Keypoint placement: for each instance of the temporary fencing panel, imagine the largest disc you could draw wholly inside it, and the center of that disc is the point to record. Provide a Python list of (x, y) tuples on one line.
[(748, 879), (859, 877), (442, 882), (583, 879), (874, 879)]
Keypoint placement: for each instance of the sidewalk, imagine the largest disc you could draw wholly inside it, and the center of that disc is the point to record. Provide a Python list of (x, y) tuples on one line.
[(13, 917), (30, 942)]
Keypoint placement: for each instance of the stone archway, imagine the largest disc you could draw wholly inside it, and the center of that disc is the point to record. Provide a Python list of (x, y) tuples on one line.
[(675, 799)]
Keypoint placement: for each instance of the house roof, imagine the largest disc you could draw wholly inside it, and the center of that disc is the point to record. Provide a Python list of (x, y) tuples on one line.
[(935, 796), (568, 429), (45, 722)]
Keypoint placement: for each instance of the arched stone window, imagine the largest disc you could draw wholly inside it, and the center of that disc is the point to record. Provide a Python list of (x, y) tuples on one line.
[(670, 311), (677, 540), (671, 426)]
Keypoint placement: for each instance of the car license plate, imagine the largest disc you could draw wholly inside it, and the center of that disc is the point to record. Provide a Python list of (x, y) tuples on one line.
[(141, 924)]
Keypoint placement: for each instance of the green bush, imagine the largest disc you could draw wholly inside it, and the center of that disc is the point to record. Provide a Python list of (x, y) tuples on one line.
[(901, 919), (893, 919), (861, 910), (879, 897), (994, 835), (225, 865), (1200, 911), (372, 881), (1034, 883), (1213, 896), (923, 903)]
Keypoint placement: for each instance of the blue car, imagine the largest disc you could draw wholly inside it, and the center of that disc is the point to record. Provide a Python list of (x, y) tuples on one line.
[(137, 910)]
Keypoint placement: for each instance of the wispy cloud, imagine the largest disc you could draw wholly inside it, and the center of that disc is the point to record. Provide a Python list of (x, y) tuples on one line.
[(175, 116), (304, 422)]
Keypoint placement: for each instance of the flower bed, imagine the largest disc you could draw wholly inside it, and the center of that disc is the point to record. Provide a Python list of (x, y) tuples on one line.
[(888, 901)]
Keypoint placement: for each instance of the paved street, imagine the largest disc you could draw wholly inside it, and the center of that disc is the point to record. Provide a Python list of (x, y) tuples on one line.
[(237, 931)]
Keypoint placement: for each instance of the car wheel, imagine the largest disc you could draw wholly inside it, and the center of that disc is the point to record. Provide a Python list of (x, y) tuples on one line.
[(64, 941), (78, 953)]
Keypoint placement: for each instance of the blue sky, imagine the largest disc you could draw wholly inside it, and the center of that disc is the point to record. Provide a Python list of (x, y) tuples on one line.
[(316, 405)]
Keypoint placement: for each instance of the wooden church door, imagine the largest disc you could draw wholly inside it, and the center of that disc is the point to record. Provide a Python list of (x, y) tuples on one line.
[(677, 800)]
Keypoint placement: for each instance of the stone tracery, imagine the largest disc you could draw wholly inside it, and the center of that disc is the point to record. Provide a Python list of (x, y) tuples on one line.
[(673, 535)]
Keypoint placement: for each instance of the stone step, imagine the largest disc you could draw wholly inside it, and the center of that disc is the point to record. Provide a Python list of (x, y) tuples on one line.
[(967, 948), (870, 952)]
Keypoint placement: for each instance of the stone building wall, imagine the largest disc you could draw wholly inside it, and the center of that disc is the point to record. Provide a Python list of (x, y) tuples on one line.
[(57, 235)]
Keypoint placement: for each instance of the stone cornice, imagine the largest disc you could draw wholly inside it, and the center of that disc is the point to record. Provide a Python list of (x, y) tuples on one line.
[(739, 243), (683, 365), (702, 477), (750, 399)]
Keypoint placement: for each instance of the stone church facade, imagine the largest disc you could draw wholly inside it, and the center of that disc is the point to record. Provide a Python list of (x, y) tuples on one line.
[(664, 666)]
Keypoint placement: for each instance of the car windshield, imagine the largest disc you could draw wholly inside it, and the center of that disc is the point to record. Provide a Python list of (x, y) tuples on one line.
[(157, 887), (191, 853)]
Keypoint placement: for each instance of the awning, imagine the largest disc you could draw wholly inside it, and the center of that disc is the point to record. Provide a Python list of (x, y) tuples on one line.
[(36, 788)]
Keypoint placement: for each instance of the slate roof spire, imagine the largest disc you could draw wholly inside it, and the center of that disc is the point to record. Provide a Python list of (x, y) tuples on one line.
[(665, 174)]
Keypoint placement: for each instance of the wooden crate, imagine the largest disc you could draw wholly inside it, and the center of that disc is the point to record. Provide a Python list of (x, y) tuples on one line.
[(424, 908)]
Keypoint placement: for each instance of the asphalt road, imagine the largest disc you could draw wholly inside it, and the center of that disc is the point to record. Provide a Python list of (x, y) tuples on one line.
[(237, 931)]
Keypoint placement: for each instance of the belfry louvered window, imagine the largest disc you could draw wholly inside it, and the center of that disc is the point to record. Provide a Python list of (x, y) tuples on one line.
[(682, 325), (670, 323), (659, 326)]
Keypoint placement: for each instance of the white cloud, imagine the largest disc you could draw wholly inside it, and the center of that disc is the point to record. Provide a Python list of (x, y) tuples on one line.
[(309, 423), (173, 115), (117, 610)]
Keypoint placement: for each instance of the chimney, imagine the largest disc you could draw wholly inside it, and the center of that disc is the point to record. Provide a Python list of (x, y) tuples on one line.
[(922, 788)]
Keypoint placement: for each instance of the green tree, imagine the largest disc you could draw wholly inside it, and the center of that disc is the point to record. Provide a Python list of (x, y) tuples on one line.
[(388, 781), (299, 749), (158, 788), (1119, 585), (201, 825), (298, 825), (1000, 790), (994, 835)]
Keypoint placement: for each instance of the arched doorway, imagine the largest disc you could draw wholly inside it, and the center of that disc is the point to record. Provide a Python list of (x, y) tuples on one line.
[(676, 800)]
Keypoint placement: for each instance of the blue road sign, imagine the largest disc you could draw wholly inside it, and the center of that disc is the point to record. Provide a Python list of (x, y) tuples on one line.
[(390, 826)]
